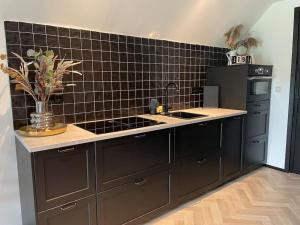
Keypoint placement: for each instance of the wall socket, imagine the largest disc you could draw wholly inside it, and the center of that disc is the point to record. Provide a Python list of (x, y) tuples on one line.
[(197, 90), (278, 89)]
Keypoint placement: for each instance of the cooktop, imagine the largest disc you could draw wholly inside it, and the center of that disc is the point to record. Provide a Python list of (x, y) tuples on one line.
[(108, 126)]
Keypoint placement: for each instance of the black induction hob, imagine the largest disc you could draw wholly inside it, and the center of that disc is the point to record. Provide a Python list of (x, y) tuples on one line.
[(108, 126)]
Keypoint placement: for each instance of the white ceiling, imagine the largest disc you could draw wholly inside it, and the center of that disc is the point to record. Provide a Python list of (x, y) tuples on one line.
[(195, 21)]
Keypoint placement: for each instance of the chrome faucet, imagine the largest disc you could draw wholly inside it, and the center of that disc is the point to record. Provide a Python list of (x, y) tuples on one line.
[(166, 106)]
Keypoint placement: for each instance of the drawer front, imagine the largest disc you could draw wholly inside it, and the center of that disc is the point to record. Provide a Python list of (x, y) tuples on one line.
[(255, 152), (81, 212), (193, 173), (257, 124), (258, 106), (64, 175), (120, 159), (191, 140), (133, 200)]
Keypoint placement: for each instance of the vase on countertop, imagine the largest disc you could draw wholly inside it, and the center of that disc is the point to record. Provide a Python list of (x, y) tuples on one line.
[(42, 119)]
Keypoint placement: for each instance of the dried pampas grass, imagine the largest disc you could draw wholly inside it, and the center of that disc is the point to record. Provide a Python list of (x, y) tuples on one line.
[(233, 40)]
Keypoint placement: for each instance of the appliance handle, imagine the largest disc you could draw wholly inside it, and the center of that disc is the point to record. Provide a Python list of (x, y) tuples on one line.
[(260, 78)]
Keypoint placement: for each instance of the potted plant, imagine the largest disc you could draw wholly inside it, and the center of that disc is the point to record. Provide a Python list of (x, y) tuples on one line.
[(49, 72), (239, 46)]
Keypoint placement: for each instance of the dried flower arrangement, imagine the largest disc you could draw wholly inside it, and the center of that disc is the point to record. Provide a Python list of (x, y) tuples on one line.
[(234, 41), (48, 79), (49, 73)]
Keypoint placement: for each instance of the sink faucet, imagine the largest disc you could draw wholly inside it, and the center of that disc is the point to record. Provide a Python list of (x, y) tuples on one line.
[(166, 106)]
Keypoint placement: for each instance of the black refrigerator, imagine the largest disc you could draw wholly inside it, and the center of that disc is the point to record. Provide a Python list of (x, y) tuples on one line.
[(247, 87)]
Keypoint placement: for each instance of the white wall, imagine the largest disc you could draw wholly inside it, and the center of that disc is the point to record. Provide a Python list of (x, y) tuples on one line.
[(275, 28), (194, 21), (10, 212)]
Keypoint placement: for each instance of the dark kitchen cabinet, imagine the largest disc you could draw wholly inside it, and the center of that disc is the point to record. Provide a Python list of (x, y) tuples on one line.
[(120, 160), (58, 186), (240, 85), (194, 139), (131, 179), (81, 212), (255, 152), (251, 91), (64, 175), (194, 173), (258, 106), (197, 161), (257, 123), (232, 143), (130, 201), (257, 129)]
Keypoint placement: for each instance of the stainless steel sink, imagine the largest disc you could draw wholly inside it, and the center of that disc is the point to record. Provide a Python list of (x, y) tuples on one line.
[(185, 115)]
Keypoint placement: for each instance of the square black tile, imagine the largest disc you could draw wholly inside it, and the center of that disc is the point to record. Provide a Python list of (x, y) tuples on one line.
[(120, 73)]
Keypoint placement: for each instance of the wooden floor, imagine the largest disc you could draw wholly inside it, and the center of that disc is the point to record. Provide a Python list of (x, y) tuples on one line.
[(264, 197)]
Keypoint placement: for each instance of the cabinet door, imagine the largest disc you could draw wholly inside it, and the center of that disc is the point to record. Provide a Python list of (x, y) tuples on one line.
[(192, 139), (120, 159), (255, 152), (64, 175), (82, 212), (128, 202), (232, 140), (257, 123), (194, 173)]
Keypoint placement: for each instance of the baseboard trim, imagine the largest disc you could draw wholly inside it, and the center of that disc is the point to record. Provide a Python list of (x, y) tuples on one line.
[(276, 168)]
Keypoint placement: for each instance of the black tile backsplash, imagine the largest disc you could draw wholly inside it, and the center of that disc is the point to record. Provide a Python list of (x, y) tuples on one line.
[(120, 73)]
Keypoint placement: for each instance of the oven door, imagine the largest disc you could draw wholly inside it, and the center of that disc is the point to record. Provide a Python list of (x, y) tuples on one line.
[(259, 88)]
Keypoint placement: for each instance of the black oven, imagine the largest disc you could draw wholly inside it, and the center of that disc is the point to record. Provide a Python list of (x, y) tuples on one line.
[(259, 84)]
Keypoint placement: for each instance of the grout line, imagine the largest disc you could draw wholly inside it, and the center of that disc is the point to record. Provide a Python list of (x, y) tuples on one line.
[(149, 64)]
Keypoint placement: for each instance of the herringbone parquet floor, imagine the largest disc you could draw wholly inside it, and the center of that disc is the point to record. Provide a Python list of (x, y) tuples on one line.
[(264, 197)]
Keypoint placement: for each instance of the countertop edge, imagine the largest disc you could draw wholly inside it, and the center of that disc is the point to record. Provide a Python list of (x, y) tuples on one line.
[(102, 137)]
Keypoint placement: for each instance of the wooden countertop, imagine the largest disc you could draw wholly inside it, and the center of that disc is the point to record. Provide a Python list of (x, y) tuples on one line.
[(75, 135)]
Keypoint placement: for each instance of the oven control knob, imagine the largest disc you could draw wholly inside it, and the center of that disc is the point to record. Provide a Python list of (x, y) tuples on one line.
[(260, 70)]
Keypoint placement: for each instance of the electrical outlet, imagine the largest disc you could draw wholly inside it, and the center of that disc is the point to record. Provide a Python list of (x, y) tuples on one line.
[(278, 89), (196, 90)]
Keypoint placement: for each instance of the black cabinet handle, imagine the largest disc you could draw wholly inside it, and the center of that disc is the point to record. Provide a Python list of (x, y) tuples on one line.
[(221, 137), (257, 113), (257, 105), (202, 124), (66, 150), (68, 206), (140, 181), (201, 161), (140, 136), (255, 141), (237, 118)]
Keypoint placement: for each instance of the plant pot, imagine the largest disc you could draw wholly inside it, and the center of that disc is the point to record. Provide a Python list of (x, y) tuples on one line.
[(42, 118), (230, 55)]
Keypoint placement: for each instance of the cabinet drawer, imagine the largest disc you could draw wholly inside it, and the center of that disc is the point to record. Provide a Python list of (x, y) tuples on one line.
[(64, 175), (257, 123), (81, 212), (258, 106), (130, 201), (196, 172), (121, 159), (192, 139), (255, 152)]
